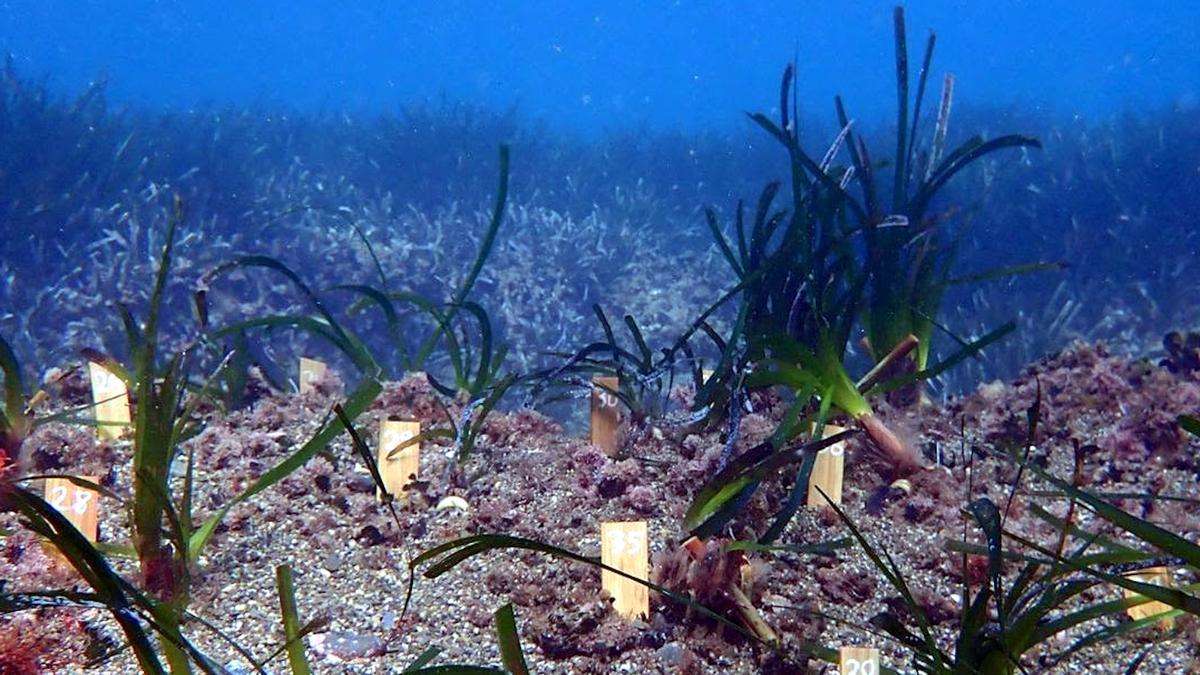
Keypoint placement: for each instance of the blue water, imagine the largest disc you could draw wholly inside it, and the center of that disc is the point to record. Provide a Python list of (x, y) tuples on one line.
[(592, 66), (282, 122)]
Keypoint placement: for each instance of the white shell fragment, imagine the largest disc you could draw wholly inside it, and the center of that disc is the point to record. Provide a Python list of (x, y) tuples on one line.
[(453, 502)]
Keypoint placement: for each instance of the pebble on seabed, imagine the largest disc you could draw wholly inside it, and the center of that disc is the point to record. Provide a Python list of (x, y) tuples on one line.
[(344, 646)]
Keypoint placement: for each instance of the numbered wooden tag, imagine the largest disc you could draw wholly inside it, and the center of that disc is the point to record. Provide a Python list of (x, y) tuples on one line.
[(1159, 576), (827, 472), (78, 504), (625, 546), (858, 661), (111, 400), (311, 372), (606, 414), (399, 470)]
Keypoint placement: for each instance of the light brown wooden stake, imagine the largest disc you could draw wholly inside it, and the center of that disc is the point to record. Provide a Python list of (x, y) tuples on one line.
[(78, 504), (858, 661), (111, 400), (606, 414), (827, 472), (1159, 576), (625, 546), (311, 371), (399, 470)]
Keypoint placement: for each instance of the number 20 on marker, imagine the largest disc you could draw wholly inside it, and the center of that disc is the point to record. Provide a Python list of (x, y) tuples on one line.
[(858, 661)]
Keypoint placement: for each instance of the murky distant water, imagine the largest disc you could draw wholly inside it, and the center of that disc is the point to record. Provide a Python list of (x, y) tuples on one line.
[(279, 123)]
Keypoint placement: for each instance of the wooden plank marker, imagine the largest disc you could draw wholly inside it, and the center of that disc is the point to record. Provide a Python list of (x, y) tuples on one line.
[(1159, 576), (311, 372), (606, 414), (624, 545), (399, 470), (858, 661), (827, 472), (111, 400), (78, 504)]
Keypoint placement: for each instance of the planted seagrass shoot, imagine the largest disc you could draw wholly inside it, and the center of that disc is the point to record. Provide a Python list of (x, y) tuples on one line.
[(167, 540), (461, 341), (809, 274), (910, 247), (1011, 618)]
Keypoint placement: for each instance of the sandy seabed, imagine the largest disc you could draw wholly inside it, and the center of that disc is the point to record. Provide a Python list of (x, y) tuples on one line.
[(531, 479)]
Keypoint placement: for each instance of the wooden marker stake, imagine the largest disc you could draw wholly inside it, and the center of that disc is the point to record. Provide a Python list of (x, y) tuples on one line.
[(400, 470), (78, 504), (311, 371), (1159, 576), (606, 414), (827, 472), (624, 545), (858, 661), (112, 403)]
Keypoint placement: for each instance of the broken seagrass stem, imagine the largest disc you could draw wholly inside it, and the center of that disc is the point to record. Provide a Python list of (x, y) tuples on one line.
[(888, 362), (739, 594), (899, 453)]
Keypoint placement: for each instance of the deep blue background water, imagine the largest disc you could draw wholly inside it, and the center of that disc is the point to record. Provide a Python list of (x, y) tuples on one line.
[(593, 66), (625, 120)]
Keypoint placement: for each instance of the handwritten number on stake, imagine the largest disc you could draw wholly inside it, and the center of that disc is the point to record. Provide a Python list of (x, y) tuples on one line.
[(858, 661), (623, 542), (856, 667), (58, 499)]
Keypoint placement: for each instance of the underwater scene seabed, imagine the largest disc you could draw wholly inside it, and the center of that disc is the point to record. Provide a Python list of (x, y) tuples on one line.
[(559, 411)]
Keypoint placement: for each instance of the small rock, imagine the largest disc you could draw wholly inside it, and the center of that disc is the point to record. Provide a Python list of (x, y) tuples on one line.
[(332, 562), (345, 645), (453, 502), (369, 536), (388, 620), (671, 654), (360, 483), (238, 668)]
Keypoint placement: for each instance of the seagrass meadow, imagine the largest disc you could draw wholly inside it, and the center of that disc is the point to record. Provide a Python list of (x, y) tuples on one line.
[(449, 390)]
